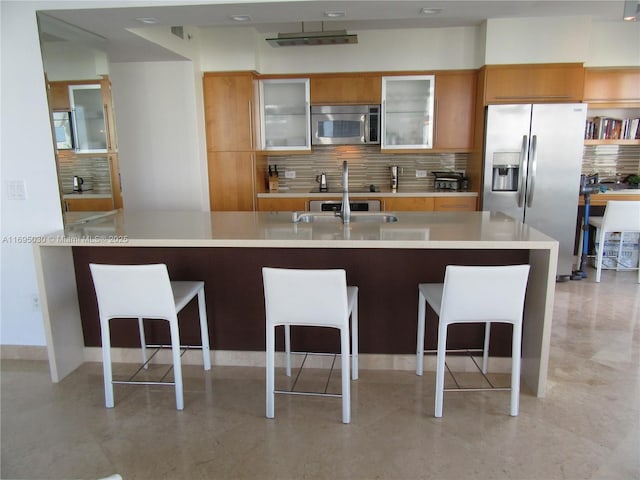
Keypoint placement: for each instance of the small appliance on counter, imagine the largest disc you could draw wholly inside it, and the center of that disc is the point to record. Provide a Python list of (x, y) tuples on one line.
[(450, 181), (394, 177), (322, 180), (81, 184)]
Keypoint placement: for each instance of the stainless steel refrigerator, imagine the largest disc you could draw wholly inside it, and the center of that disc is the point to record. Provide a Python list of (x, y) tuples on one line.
[(532, 165)]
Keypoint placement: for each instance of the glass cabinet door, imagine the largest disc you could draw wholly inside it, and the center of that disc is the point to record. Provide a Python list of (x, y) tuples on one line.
[(88, 119), (284, 107), (407, 111)]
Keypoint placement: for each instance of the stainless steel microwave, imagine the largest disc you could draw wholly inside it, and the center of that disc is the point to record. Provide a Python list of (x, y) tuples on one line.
[(345, 124)]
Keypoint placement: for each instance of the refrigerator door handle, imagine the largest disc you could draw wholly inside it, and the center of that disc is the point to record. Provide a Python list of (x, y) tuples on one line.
[(523, 169), (531, 184)]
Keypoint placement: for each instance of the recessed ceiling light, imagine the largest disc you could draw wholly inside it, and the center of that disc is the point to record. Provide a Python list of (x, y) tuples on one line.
[(240, 18), (147, 20), (334, 14), (430, 11)]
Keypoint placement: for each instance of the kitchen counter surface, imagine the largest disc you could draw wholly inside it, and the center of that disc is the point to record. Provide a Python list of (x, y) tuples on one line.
[(227, 250), (486, 230), (601, 199)]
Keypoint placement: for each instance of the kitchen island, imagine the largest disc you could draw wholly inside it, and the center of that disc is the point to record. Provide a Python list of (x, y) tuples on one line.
[(227, 250)]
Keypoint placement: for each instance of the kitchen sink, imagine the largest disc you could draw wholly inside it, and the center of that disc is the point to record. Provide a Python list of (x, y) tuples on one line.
[(331, 217)]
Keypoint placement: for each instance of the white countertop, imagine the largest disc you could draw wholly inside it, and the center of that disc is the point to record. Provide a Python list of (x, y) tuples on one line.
[(467, 230)]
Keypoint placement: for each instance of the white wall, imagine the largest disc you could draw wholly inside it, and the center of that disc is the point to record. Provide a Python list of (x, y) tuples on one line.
[(562, 40), (27, 155), (614, 44), (65, 61), (411, 49), (158, 137)]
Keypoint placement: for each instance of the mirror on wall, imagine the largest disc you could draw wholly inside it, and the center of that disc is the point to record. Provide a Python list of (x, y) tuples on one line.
[(82, 118)]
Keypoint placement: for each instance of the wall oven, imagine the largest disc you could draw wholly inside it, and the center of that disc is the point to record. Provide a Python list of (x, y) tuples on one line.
[(345, 124)]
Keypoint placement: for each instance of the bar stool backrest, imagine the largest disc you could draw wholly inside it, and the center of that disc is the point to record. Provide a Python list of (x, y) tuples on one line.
[(126, 291), (306, 297), (621, 216), (484, 294)]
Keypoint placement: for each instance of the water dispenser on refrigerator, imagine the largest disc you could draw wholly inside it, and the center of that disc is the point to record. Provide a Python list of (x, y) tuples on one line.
[(506, 167)]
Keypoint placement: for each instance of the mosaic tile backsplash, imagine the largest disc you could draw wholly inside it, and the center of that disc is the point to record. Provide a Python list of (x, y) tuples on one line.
[(367, 166), (95, 171), (611, 161)]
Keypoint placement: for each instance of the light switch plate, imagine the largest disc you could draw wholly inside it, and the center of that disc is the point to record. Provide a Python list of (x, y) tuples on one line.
[(289, 174), (16, 190), (421, 173)]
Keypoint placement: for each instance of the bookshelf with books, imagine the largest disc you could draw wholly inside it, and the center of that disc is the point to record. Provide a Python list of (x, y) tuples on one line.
[(613, 95), (612, 126)]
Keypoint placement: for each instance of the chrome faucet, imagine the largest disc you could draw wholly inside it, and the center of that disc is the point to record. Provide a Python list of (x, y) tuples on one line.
[(345, 209)]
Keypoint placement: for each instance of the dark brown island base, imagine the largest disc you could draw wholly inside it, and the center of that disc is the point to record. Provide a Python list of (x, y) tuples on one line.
[(227, 251)]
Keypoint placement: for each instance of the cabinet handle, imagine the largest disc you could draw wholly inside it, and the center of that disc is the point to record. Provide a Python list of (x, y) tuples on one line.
[(251, 142), (524, 97), (74, 127), (106, 126), (435, 123)]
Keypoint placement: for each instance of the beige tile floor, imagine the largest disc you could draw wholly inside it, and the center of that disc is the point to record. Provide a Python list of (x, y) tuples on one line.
[(587, 426)]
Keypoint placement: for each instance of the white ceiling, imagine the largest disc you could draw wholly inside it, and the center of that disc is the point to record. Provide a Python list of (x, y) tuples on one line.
[(286, 16)]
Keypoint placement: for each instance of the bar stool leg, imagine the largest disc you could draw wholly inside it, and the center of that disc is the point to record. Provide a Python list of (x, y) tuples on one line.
[(287, 347), (204, 330), (270, 361), (143, 343), (346, 385), (177, 366), (421, 321)]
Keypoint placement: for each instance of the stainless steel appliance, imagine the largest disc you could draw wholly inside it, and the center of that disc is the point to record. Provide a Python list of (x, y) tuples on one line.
[(335, 205), (450, 181), (532, 164), (394, 177), (345, 124), (77, 183), (322, 180)]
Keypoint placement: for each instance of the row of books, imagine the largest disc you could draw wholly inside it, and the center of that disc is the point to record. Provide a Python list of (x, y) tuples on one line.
[(609, 128)]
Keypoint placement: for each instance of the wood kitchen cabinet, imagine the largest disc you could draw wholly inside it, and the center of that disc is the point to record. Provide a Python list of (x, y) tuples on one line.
[(229, 111), (88, 204), (455, 98), (612, 93), (455, 204), (58, 96), (231, 181), (551, 82), (336, 89), (230, 121), (282, 204), (408, 204), (612, 87)]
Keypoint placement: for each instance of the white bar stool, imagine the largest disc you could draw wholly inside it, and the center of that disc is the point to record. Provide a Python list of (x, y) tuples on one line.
[(472, 294), (619, 216), (145, 292), (318, 298)]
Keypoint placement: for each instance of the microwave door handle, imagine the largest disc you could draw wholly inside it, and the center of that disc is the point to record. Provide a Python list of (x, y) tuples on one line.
[(365, 135), (523, 168)]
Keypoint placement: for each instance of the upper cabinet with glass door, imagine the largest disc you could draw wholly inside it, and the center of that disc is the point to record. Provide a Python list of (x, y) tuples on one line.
[(407, 111), (88, 118), (284, 108)]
